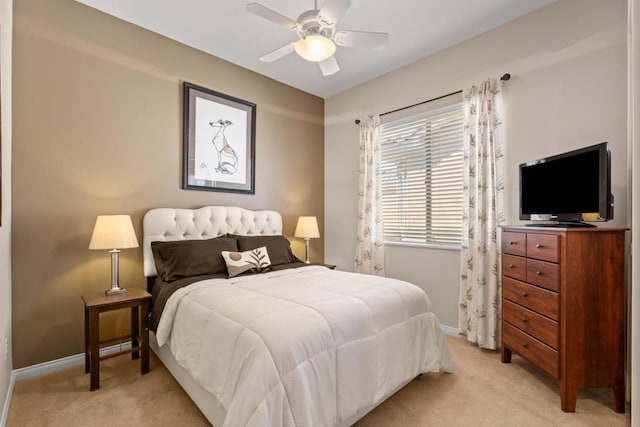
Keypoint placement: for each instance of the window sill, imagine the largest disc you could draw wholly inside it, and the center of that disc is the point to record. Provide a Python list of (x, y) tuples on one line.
[(425, 245)]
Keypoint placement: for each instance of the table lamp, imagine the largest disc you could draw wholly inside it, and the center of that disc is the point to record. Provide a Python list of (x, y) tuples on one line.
[(307, 229), (113, 232)]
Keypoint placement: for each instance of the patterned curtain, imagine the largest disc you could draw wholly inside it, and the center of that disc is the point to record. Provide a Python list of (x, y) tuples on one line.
[(370, 247), (482, 212)]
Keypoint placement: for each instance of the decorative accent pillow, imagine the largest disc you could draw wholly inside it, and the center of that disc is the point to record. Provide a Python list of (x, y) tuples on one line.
[(185, 258), (256, 260), (278, 246)]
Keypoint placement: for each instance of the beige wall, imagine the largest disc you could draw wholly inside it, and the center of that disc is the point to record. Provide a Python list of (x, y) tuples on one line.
[(5, 204), (568, 62), (98, 130)]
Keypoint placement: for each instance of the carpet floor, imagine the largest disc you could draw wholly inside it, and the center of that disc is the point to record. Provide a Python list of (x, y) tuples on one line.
[(482, 392)]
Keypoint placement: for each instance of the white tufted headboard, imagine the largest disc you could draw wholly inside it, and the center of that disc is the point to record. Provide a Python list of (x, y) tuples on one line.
[(167, 224)]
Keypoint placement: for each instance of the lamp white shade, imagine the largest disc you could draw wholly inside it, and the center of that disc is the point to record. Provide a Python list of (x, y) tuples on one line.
[(315, 47), (307, 227), (113, 232)]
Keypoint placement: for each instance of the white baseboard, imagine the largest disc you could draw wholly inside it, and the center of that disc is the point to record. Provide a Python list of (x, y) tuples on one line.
[(63, 363), (450, 330), (7, 400), (49, 367)]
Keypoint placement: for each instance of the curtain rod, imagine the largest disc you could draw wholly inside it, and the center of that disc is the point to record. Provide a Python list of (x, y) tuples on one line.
[(504, 78)]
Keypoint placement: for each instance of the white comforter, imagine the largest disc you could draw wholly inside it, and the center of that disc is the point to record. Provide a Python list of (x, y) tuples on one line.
[(302, 347)]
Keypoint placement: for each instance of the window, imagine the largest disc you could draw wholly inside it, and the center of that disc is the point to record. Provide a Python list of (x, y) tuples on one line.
[(421, 174)]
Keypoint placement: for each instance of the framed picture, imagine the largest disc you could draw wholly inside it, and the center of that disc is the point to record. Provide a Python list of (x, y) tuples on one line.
[(219, 141)]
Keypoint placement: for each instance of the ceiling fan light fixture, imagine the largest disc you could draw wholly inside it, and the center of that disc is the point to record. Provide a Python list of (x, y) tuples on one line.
[(315, 47)]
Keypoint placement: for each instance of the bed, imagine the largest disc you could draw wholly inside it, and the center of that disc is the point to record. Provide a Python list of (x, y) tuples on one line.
[(291, 345)]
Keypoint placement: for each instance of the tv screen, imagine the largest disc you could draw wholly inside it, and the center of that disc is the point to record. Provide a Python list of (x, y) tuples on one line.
[(570, 187)]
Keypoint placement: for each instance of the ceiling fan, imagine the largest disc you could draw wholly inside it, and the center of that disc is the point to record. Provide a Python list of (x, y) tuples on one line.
[(318, 36)]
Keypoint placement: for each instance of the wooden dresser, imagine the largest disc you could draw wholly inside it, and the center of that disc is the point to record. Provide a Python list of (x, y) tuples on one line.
[(563, 306)]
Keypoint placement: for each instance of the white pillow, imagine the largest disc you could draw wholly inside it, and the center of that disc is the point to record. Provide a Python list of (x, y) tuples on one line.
[(255, 260)]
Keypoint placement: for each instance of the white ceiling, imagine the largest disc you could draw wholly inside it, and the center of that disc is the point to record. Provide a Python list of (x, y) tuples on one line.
[(225, 29)]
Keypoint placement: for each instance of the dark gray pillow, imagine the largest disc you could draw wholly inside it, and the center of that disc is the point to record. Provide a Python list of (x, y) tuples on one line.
[(185, 258), (278, 247)]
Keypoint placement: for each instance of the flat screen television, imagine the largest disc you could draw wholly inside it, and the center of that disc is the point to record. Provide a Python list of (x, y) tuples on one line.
[(569, 189)]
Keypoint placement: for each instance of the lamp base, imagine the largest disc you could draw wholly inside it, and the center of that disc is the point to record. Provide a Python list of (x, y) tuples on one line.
[(115, 282), (307, 252), (115, 291)]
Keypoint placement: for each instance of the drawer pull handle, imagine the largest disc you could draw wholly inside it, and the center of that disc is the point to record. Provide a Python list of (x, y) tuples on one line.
[(538, 272), (524, 295), (511, 242), (524, 320), (538, 245), (525, 345), (511, 266)]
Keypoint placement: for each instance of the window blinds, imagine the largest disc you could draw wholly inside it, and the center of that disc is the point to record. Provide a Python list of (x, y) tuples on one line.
[(421, 174)]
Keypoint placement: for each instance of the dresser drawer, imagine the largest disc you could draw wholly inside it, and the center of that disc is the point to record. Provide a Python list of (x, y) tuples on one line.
[(514, 266), (541, 355), (543, 246), (540, 327), (514, 243), (543, 274), (532, 297)]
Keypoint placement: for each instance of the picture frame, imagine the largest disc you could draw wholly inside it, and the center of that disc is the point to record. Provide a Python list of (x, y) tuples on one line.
[(218, 141)]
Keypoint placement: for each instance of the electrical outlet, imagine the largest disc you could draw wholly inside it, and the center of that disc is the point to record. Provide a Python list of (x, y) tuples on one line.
[(6, 348)]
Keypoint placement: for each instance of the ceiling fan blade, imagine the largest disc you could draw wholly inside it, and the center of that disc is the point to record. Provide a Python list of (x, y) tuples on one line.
[(332, 11), (272, 15), (329, 66), (361, 39), (278, 53)]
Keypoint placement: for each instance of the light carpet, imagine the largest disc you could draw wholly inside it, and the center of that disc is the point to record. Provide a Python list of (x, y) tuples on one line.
[(482, 392)]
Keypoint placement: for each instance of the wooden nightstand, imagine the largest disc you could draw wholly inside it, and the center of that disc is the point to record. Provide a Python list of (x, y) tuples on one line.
[(136, 299)]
